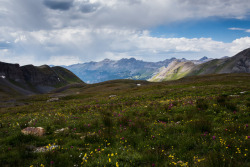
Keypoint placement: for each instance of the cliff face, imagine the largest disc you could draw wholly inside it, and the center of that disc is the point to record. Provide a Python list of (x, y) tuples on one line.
[(34, 79), (43, 75), (11, 71)]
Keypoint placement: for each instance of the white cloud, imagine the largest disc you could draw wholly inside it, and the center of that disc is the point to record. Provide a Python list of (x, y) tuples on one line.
[(240, 44), (240, 29), (67, 31), (63, 60), (71, 45)]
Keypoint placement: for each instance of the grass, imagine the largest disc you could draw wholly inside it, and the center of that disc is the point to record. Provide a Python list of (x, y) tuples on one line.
[(195, 121)]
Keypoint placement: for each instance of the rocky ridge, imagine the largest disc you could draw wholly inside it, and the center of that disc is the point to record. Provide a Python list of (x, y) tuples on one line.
[(31, 79)]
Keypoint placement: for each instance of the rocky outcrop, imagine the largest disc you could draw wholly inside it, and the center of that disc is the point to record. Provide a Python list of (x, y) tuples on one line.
[(11, 71), (39, 131), (43, 75)]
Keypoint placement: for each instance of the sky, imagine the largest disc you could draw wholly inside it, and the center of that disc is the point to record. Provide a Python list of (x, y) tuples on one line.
[(65, 32)]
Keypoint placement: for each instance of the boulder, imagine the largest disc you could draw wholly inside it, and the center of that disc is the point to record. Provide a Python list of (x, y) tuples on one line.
[(53, 99), (36, 131)]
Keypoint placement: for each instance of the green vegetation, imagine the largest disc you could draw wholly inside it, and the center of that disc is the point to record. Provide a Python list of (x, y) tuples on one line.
[(196, 121)]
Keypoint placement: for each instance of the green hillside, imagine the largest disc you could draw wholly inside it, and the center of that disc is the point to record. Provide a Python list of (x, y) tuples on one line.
[(240, 63), (194, 121)]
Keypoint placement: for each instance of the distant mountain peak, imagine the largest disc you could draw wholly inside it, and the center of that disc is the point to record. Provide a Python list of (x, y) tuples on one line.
[(132, 58), (106, 60), (203, 58)]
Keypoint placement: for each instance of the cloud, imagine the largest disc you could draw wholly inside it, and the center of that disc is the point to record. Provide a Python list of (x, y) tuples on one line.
[(86, 6), (239, 29), (70, 45), (134, 14), (25, 15), (148, 13), (58, 4), (71, 31)]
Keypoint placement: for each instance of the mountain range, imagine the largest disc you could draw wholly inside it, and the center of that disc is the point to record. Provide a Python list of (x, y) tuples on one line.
[(240, 63), (29, 79), (169, 69), (94, 72)]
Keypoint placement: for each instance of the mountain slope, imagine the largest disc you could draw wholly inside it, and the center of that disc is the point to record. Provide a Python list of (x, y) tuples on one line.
[(175, 70), (240, 63), (29, 79)]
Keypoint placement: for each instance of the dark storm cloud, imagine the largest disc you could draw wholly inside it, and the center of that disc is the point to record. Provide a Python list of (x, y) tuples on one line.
[(88, 8), (28, 15), (58, 5)]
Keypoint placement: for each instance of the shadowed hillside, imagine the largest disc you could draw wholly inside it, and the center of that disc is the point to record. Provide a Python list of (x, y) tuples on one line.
[(29, 79)]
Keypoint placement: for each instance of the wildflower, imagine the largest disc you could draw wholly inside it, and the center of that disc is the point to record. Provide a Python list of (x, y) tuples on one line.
[(109, 160), (214, 137), (112, 155), (246, 125), (42, 165), (116, 164)]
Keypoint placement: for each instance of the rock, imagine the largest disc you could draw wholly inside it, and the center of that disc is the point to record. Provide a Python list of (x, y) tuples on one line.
[(53, 99), (138, 84), (112, 96), (39, 131), (234, 95), (45, 148), (61, 130), (89, 135)]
